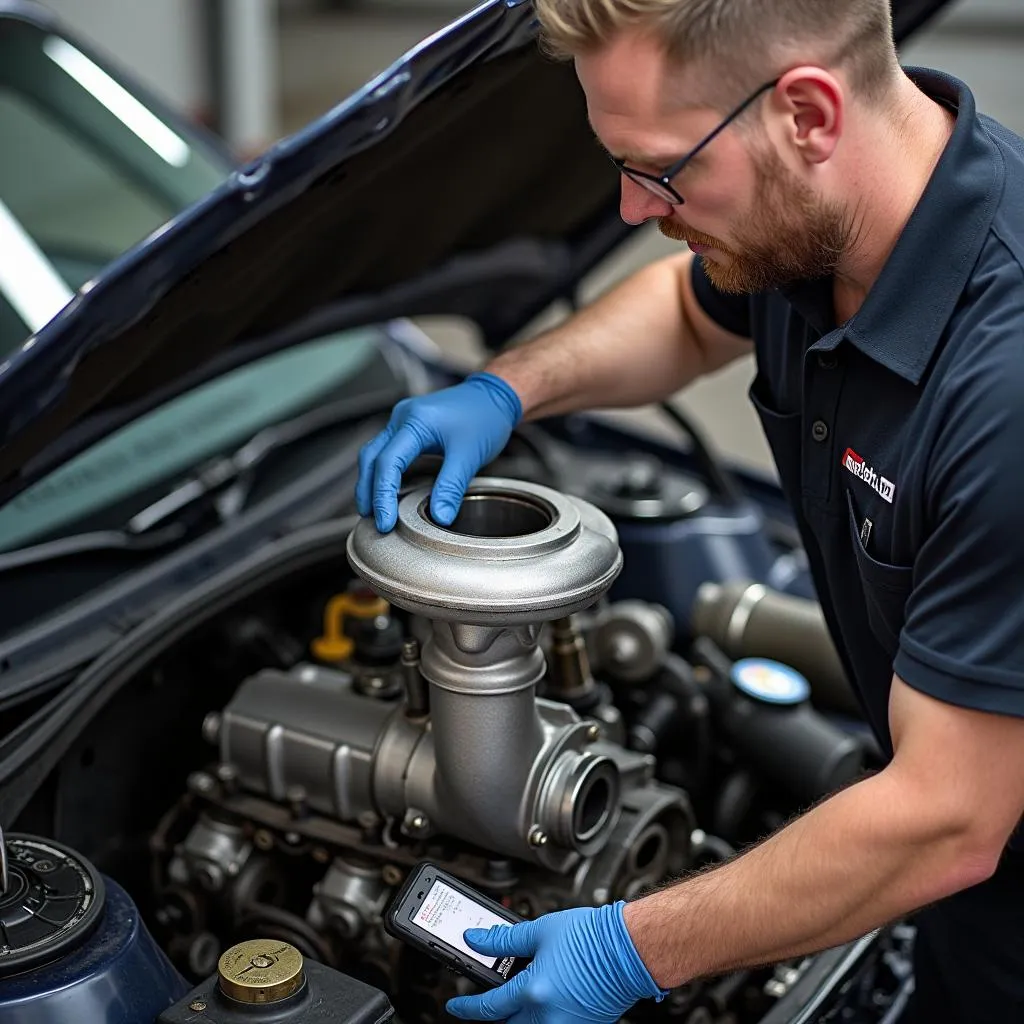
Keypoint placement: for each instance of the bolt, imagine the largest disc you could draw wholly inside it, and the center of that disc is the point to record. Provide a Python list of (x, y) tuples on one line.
[(210, 877), (297, 800), (201, 782), (418, 822), (537, 836), (262, 839), (197, 1006), (410, 650), (292, 838), (368, 820), (228, 775), (321, 854), (391, 874), (593, 732), (211, 728)]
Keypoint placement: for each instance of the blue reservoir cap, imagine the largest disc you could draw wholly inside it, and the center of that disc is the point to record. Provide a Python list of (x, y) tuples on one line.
[(770, 681)]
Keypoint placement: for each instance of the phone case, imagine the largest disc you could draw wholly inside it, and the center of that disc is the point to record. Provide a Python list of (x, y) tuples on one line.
[(408, 933)]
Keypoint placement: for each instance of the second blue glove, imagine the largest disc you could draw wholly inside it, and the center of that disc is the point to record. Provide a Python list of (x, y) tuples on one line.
[(585, 968), (469, 424)]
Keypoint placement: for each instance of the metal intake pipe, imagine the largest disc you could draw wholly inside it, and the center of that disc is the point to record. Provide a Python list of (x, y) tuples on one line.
[(748, 620), (497, 767)]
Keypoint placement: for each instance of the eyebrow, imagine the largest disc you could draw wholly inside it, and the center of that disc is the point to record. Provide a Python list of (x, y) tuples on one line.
[(632, 157)]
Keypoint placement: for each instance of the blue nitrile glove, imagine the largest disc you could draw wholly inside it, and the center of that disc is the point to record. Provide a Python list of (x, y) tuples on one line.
[(469, 423), (585, 968)]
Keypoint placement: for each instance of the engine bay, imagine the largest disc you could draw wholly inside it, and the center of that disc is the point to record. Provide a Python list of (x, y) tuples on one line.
[(473, 696)]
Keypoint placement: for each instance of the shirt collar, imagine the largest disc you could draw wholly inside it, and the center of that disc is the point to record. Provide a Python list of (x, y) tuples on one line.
[(908, 308)]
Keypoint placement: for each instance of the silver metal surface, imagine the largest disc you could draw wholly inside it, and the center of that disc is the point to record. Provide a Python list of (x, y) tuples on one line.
[(631, 638), (284, 731), (4, 877), (213, 852), (518, 553), (349, 899)]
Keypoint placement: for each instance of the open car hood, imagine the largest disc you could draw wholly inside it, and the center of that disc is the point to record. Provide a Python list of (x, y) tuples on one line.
[(462, 180)]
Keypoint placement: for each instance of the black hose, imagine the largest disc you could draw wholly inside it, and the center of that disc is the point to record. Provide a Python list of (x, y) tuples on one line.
[(676, 677), (721, 480)]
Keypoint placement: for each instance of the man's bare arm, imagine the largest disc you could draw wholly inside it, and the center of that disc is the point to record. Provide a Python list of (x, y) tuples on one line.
[(933, 822), (640, 343)]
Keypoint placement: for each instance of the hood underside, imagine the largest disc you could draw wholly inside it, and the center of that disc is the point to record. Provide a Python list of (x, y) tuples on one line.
[(463, 180)]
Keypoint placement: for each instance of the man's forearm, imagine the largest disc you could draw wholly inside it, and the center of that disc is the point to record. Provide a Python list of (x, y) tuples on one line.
[(631, 347), (862, 858)]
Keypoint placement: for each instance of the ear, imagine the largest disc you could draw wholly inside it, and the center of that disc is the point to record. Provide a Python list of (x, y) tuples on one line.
[(809, 105)]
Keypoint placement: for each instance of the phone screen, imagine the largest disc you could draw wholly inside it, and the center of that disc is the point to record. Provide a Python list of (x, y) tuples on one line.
[(446, 913)]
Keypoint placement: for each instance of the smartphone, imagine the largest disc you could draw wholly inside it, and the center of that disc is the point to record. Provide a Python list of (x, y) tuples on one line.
[(433, 910)]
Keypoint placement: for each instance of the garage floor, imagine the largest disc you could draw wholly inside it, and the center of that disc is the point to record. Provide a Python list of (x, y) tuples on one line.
[(330, 48)]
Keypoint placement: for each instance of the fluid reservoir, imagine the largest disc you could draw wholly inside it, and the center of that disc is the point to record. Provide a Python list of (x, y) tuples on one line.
[(74, 946)]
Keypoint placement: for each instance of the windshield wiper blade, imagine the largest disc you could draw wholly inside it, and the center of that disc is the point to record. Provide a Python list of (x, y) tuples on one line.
[(220, 486)]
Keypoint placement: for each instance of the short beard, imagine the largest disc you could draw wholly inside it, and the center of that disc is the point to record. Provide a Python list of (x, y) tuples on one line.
[(793, 236)]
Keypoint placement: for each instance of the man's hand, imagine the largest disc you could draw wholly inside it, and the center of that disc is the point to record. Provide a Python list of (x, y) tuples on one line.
[(469, 423), (585, 968)]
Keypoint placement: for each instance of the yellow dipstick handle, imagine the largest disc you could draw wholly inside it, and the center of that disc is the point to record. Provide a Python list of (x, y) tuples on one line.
[(334, 645)]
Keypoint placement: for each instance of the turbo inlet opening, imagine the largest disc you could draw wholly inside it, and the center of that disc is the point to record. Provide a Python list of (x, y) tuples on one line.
[(596, 794), (489, 514)]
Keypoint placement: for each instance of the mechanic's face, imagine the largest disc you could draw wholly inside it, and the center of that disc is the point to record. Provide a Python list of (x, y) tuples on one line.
[(755, 221)]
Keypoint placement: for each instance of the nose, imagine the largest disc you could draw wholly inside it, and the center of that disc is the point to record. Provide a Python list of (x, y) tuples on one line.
[(637, 205)]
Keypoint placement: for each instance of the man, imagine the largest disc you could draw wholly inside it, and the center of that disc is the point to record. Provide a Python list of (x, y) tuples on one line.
[(861, 227)]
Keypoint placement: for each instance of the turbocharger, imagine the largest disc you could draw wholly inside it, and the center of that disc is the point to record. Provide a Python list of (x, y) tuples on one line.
[(491, 764), (497, 766)]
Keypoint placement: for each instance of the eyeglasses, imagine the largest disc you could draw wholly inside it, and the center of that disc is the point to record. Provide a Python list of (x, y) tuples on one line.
[(660, 184)]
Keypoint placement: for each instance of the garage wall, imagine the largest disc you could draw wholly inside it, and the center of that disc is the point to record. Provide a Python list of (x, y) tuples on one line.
[(160, 41)]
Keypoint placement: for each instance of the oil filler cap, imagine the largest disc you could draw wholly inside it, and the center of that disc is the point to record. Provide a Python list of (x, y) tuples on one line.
[(260, 971), (51, 900), (770, 681)]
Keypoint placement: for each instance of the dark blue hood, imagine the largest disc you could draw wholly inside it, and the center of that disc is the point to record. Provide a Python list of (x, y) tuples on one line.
[(463, 180)]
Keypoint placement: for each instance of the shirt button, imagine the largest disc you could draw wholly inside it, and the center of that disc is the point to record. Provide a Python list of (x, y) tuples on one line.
[(819, 430), (828, 360)]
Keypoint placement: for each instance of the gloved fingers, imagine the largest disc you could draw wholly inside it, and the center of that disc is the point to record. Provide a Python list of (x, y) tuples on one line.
[(367, 459), (506, 939), (396, 457), (497, 1004), (449, 488)]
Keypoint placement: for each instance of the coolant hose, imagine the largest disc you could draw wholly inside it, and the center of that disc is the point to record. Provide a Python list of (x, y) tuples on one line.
[(748, 620)]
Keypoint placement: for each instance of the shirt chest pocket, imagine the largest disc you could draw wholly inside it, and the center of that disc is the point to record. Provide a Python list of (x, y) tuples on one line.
[(886, 587)]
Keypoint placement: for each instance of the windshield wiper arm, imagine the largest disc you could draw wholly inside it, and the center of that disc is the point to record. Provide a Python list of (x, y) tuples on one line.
[(222, 486)]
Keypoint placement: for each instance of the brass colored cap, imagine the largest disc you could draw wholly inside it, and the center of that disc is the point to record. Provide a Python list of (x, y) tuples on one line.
[(260, 971)]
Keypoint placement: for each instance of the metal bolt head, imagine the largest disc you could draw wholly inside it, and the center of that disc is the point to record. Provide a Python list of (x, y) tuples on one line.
[(201, 782), (537, 836), (391, 874), (211, 727), (321, 854), (262, 839), (417, 822), (228, 775), (197, 1006), (593, 732)]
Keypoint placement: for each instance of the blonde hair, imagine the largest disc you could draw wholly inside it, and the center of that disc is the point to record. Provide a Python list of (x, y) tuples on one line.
[(740, 43)]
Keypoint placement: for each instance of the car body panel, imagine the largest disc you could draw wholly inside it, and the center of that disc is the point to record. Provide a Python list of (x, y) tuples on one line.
[(377, 210)]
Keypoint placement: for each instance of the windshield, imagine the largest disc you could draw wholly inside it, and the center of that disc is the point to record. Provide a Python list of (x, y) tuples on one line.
[(87, 171)]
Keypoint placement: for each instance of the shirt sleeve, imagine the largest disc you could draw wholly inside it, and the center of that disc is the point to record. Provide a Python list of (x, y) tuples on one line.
[(963, 634), (729, 311)]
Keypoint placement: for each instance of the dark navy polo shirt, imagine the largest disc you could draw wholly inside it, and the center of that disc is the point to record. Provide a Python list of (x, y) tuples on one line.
[(899, 435)]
